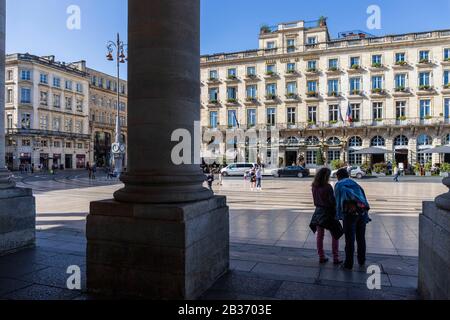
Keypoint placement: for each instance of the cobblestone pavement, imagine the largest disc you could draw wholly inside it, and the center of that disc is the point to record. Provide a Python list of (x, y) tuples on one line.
[(272, 249)]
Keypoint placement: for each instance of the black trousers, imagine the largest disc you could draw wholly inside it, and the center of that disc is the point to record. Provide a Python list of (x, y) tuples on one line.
[(354, 229)]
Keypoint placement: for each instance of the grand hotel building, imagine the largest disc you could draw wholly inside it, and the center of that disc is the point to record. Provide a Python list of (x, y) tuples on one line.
[(302, 82)]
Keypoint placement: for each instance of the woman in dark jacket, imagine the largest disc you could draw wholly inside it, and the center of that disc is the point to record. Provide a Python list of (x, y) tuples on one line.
[(325, 215)]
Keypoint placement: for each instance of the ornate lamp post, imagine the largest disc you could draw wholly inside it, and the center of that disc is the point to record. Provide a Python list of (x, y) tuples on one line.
[(117, 148)]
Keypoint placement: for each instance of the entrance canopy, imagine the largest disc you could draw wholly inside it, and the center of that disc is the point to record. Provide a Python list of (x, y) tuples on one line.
[(372, 151), (443, 149)]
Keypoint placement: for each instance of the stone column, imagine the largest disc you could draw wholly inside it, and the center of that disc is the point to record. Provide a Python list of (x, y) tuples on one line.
[(17, 206), (164, 236)]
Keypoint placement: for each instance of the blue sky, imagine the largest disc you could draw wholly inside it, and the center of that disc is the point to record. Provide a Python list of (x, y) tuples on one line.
[(39, 26)]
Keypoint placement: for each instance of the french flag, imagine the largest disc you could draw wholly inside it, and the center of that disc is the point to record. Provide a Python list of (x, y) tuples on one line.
[(349, 117)]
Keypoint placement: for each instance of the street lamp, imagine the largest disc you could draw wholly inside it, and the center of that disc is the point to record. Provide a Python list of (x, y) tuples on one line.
[(117, 148)]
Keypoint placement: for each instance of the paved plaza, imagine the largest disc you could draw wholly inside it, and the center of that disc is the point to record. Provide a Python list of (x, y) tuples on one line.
[(272, 248)]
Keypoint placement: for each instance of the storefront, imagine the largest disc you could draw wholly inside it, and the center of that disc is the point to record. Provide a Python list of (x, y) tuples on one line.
[(44, 161), (57, 160), (25, 158), (81, 161)]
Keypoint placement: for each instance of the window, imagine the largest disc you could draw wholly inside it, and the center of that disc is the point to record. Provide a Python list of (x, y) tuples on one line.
[(232, 118), (333, 155), (424, 140), (232, 73), (43, 122), (68, 125), (311, 157), (447, 54), (401, 141), (312, 65), (271, 116), (79, 145), (377, 82), (424, 56), (333, 87), (251, 91), (333, 141), (446, 77), (312, 115), (400, 57), (377, 109), (68, 85), (271, 89), (69, 103), (376, 60), (400, 81), (312, 141), (290, 67), (333, 113), (57, 82), (290, 45), (26, 142), (213, 95), (94, 80), (57, 101), (251, 117), (425, 109), (79, 105), (446, 139), (333, 64), (9, 121), (400, 110), (44, 78), (79, 127), (270, 45), (9, 75), (355, 85), (270, 69), (354, 62), (291, 88), (25, 75), (56, 124), (25, 121), (25, 95), (251, 71), (44, 98), (355, 142), (79, 87), (100, 82), (108, 84), (424, 79), (68, 145), (123, 89), (377, 141), (312, 86), (291, 115), (213, 75), (292, 141), (354, 159), (312, 40), (447, 108), (9, 95), (356, 112), (231, 94)]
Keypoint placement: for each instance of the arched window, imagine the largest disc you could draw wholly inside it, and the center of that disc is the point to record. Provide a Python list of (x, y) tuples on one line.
[(378, 141), (312, 141), (355, 142), (424, 140), (446, 139), (401, 141), (333, 141), (292, 140)]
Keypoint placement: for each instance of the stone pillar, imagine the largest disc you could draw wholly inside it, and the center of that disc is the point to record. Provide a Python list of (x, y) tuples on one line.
[(164, 236), (434, 248), (17, 206)]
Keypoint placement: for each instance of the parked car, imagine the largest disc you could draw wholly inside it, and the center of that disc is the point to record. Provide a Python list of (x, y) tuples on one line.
[(356, 172), (237, 169), (292, 171)]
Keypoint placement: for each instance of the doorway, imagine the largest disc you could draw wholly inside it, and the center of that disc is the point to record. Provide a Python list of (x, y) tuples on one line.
[(401, 156), (291, 157), (68, 162), (378, 158)]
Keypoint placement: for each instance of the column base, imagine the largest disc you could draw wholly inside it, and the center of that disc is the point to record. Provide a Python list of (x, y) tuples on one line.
[(164, 251), (17, 220)]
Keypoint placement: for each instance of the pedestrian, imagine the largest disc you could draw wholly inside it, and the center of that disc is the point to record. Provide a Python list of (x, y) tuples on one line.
[(32, 168), (396, 173), (210, 180), (94, 171), (258, 175), (389, 168), (252, 179), (353, 208), (220, 176), (89, 170), (324, 217)]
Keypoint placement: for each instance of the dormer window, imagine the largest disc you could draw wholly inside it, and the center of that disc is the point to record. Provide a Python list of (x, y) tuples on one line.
[(270, 45)]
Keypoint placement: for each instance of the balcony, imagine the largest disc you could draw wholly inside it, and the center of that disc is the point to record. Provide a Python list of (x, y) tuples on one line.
[(232, 79), (425, 63), (425, 90), (312, 96), (48, 133), (271, 75), (251, 77), (232, 102), (377, 67), (333, 71), (402, 121), (292, 97), (333, 95), (213, 81), (270, 98), (446, 88), (356, 94), (355, 69), (291, 74), (401, 92), (213, 103), (249, 101), (378, 93), (312, 72), (446, 62)]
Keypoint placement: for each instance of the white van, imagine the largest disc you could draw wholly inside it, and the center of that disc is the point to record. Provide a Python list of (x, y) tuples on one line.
[(237, 169)]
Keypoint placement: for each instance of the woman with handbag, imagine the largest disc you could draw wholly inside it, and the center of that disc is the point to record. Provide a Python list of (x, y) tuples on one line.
[(324, 217)]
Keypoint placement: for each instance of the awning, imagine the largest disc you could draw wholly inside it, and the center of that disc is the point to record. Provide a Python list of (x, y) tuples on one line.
[(443, 149), (373, 150)]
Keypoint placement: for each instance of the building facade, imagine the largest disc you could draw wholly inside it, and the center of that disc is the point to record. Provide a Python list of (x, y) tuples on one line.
[(103, 115), (47, 118), (335, 96)]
